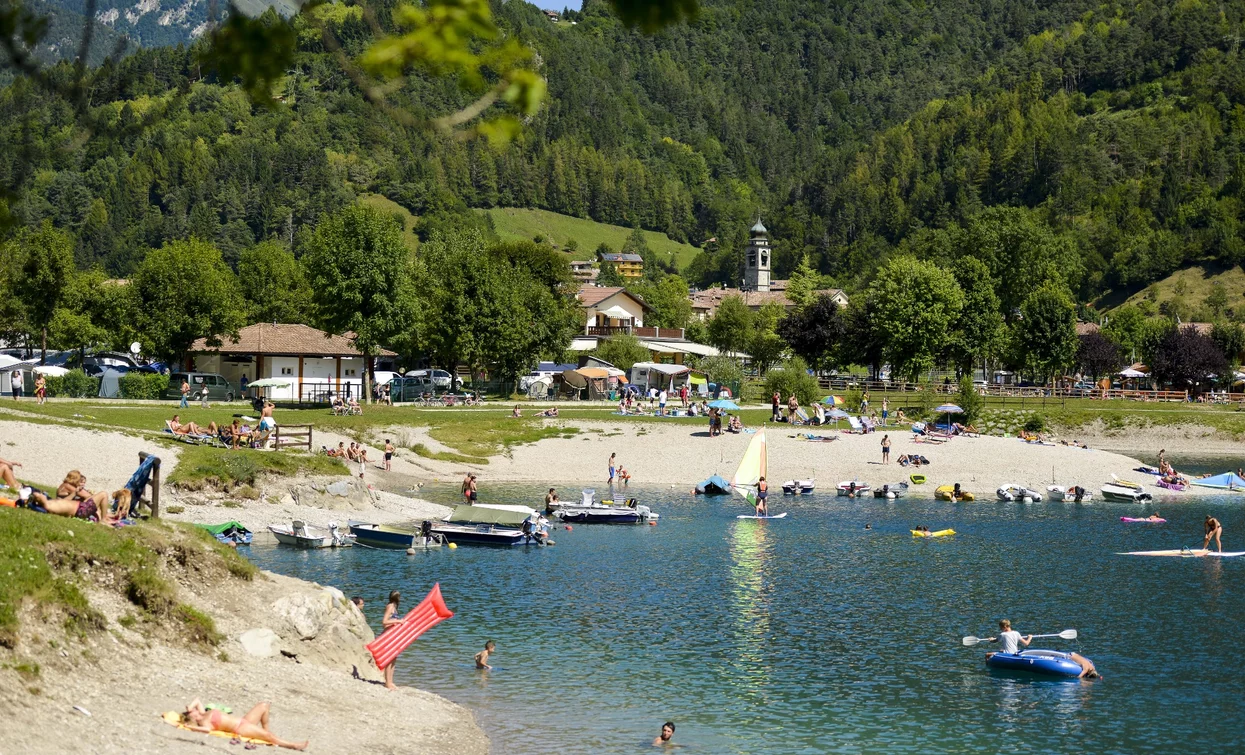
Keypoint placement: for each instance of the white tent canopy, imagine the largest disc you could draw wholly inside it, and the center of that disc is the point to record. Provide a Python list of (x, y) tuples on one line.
[(50, 370), (8, 361), (1131, 373), (618, 313)]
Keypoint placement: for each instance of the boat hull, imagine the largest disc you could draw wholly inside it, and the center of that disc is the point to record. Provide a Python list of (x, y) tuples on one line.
[(898, 490), (590, 516), (1038, 662), (381, 536), (1124, 494), (482, 534), (947, 493), (286, 536), (798, 487)]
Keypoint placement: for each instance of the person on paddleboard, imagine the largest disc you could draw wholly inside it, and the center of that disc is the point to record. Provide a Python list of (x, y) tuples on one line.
[(762, 495), (1213, 529), (1010, 638)]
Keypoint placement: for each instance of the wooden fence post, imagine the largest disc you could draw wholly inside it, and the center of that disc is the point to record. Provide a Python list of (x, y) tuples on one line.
[(155, 485)]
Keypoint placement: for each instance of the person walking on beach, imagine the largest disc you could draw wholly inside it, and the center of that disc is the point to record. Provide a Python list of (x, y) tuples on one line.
[(41, 389), (388, 455), (661, 402), (886, 449), (667, 734), (483, 655), (611, 478), (185, 394), (386, 621), (1213, 529), (775, 402)]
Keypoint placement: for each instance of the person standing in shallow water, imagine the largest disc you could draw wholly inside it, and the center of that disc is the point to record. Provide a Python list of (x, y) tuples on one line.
[(389, 620)]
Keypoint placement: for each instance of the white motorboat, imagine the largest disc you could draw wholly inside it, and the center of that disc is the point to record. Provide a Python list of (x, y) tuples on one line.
[(798, 487), (1074, 494), (588, 511), (852, 488), (300, 535), (1018, 493), (1122, 490), (891, 491)]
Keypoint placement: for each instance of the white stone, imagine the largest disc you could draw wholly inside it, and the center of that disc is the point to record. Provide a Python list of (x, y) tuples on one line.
[(260, 642)]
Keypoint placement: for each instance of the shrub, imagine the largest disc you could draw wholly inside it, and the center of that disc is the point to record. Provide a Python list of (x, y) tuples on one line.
[(970, 400), (199, 626), (793, 378), (73, 384), (143, 385), (1035, 423)]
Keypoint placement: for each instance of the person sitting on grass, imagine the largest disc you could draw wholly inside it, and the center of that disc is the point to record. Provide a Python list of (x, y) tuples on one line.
[(354, 406), (6, 473), (550, 412), (254, 725), (516, 412)]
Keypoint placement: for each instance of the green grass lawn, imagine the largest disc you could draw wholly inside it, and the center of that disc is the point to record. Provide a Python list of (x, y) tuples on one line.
[(1190, 285), (390, 207), (516, 223)]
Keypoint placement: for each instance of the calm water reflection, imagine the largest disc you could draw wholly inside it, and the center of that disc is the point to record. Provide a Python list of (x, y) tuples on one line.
[(812, 635)]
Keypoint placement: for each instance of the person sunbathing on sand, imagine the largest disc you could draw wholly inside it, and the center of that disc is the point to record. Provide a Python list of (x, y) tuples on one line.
[(190, 428), (254, 725)]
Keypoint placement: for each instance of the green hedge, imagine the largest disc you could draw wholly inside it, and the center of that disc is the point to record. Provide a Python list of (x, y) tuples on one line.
[(73, 384), (143, 385)]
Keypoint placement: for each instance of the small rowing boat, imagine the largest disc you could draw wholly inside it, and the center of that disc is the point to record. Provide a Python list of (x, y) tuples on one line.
[(1042, 662)]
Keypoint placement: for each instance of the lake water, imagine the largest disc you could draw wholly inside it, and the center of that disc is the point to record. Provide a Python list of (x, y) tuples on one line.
[(813, 635)]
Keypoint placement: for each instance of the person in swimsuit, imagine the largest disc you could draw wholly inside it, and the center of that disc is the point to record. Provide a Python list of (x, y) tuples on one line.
[(762, 495), (6, 473), (254, 725), (41, 389), (550, 498), (471, 488), (667, 733), (386, 621), (1213, 530), (611, 478), (388, 455), (1087, 667), (482, 656), (886, 449)]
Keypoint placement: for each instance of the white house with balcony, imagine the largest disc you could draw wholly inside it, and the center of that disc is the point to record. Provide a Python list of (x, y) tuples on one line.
[(611, 311)]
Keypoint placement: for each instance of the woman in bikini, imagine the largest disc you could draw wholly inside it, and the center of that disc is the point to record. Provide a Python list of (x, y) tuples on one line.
[(388, 620), (254, 725), (74, 500), (1213, 530)]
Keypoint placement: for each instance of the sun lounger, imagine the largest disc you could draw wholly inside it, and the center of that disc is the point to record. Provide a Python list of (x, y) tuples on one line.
[(857, 425)]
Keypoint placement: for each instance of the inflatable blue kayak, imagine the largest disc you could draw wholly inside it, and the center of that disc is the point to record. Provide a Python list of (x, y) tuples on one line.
[(1044, 662)]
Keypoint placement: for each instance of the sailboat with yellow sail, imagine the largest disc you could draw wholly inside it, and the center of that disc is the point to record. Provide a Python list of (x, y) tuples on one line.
[(752, 467)]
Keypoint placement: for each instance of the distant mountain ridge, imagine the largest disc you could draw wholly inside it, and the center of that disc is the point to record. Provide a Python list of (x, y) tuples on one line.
[(155, 23)]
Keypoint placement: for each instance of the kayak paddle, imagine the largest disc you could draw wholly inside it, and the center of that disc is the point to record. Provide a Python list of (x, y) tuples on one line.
[(1067, 634)]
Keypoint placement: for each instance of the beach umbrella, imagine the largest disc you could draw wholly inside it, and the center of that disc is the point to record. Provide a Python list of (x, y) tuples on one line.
[(724, 404), (948, 409), (272, 382), (832, 401), (836, 415)]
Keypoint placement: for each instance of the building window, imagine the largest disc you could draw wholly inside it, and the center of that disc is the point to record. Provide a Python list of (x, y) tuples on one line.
[(752, 259), (287, 370), (764, 260), (351, 373)]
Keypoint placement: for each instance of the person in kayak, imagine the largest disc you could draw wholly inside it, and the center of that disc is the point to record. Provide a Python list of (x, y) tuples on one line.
[(1010, 638), (1213, 529), (762, 495), (1087, 667)]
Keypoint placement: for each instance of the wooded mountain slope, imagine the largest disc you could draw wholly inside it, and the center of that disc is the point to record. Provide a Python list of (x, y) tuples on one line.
[(854, 128)]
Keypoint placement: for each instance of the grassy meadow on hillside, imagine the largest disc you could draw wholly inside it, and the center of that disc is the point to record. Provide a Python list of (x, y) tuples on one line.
[(515, 223)]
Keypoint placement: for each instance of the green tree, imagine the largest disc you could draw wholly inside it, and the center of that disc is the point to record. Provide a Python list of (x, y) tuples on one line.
[(916, 304), (765, 346), (793, 378), (362, 280), (622, 351), (1230, 338), (970, 399), (183, 291), (1045, 334), (978, 331), (608, 275), (1126, 326), (731, 328), (273, 284), (46, 272), (817, 333), (1217, 300), (672, 308), (802, 286)]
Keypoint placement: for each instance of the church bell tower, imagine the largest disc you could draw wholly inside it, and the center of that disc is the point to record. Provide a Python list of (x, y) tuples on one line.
[(756, 269)]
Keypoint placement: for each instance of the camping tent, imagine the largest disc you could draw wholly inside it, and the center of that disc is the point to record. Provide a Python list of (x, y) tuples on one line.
[(110, 383)]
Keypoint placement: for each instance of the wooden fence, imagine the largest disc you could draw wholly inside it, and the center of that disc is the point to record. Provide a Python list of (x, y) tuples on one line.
[(287, 436)]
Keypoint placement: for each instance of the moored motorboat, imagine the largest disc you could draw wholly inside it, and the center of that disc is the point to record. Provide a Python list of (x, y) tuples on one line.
[(891, 491), (852, 488), (1124, 491), (949, 493), (1070, 494), (381, 535), (1018, 493), (588, 511), (300, 535), (1042, 662), (798, 487)]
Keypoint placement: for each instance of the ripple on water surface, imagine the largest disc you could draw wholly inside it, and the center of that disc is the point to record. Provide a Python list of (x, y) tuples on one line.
[(813, 635)]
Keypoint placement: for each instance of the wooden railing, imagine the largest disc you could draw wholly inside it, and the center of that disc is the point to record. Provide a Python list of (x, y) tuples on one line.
[(287, 436), (606, 331)]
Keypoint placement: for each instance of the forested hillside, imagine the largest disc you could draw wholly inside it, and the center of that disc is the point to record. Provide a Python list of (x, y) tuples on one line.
[(1112, 134)]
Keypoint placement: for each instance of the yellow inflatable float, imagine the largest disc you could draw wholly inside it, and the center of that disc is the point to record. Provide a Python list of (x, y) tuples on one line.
[(947, 493), (939, 533)]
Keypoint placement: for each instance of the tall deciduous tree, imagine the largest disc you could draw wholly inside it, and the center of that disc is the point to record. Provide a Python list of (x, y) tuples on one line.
[(916, 304), (622, 351), (362, 279), (766, 347), (817, 333), (1185, 360), (668, 297), (731, 328), (183, 291), (1097, 355), (1044, 337), (802, 285), (273, 284), (47, 269), (978, 332)]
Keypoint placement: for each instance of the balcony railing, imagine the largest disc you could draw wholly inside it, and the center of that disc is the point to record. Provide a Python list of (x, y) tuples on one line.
[(606, 331), (639, 331)]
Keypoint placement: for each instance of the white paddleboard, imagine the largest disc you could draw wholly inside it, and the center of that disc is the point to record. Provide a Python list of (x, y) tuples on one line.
[(754, 516), (1188, 553)]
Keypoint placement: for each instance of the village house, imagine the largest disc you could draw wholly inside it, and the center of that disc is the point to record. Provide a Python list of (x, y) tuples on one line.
[(584, 271), (611, 311), (630, 266), (315, 364)]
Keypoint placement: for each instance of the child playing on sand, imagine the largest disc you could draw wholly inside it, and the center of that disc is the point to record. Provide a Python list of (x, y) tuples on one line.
[(482, 656)]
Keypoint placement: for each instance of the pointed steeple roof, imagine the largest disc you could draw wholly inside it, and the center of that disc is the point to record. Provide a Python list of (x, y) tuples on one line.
[(758, 228)]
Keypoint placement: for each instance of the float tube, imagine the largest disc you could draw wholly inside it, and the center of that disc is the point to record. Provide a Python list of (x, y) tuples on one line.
[(917, 479), (939, 533), (1041, 662)]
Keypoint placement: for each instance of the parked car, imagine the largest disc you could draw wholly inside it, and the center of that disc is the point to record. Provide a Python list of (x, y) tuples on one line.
[(217, 386), (439, 379)]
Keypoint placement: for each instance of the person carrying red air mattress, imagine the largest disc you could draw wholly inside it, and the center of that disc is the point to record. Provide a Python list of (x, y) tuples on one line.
[(398, 633)]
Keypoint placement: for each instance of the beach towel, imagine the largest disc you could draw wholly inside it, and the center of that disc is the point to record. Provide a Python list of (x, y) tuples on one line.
[(173, 718), (430, 612)]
